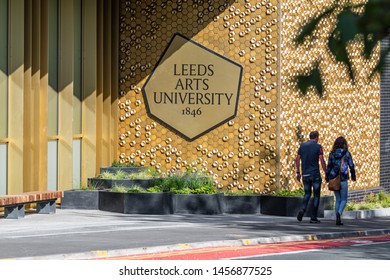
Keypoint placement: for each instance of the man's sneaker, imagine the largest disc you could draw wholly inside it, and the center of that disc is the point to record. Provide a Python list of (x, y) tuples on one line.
[(314, 221), (300, 215)]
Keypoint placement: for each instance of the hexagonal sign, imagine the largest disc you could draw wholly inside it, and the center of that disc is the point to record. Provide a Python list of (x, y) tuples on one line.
[(192, 89)]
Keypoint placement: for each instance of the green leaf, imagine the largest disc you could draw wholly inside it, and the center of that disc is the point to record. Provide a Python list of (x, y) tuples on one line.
[(374, 24), (347, 25), (339, 50), (376, 18), (307, 29), (369, 45), (313, 79), (338, 47)]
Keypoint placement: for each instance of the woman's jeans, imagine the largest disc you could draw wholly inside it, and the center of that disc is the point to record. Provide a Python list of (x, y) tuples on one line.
[(310, 182), (341, 197)]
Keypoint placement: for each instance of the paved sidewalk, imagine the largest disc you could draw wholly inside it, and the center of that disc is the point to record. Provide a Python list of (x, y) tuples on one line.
[(83, 234)]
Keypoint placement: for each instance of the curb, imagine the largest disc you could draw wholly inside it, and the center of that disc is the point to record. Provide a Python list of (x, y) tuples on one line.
[(196, 245)]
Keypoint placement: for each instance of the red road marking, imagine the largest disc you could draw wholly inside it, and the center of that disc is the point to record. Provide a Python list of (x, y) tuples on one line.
[(215, 253)]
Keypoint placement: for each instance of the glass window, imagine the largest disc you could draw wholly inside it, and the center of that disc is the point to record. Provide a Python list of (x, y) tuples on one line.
[(52, 165), (3, 168), (76, 163)]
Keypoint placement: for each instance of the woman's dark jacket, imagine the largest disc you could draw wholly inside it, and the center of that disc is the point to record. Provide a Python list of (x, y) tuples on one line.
[(334, 162)]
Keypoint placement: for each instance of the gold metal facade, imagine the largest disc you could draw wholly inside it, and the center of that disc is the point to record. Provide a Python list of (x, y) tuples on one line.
[(36, 63), (347, 109), (241, 154), (256, 150)]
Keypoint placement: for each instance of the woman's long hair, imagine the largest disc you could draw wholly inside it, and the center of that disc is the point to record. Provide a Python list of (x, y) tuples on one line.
[(340, 142)]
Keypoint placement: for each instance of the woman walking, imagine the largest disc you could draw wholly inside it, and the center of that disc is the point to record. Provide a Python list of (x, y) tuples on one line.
[(338, 155)]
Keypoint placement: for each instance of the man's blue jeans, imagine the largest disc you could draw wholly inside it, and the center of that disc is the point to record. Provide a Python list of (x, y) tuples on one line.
[(309, 183)]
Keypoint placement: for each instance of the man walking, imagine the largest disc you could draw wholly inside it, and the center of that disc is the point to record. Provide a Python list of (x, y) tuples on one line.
[(310, 153)]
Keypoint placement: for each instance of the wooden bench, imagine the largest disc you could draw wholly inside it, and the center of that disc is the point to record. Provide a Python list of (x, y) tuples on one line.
[(14, 204)]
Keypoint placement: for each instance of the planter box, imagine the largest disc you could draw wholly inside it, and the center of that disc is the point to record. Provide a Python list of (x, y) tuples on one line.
[(136, 203), (290, 205), (111, 201), (208, 204), (242, 204), (148, 203), (80, 199), (99, 183), (127, 170), (359, 214), (127, 183)]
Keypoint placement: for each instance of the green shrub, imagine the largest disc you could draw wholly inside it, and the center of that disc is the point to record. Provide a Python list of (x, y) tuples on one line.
[(297, 192), (172, 182), (154, 189), (90, 187), (119, 175), (384, 198), (106, 175), (369, 205), (115, 163), (148, 174), (188, 183), (136, 189), (206, 189), (122, 189), (380, 200), (119, 188), (237, 193), (181, 191), (155, 173), (351, 206), (122, 175)]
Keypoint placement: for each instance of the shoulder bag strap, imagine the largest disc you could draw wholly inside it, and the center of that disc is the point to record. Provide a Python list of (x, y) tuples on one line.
[(341, 164)]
